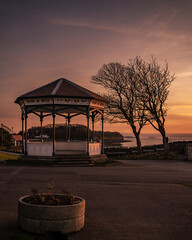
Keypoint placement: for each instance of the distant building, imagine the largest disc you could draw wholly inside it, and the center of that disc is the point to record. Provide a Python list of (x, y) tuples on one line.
[(44, 136), (17, 140)]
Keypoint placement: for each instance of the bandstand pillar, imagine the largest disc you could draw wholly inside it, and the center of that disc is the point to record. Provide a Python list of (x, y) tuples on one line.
[(41, 120), (69, 132), (102, 135), (88, 132), (93, 130), (26, 153), (53, 154), (22, 118)]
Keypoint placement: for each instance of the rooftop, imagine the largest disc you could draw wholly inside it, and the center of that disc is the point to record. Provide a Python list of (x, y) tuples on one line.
[(61, 88)]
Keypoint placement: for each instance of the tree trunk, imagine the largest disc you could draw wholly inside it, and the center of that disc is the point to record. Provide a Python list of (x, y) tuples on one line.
[(139, 148), (138, 141), (165, 140)]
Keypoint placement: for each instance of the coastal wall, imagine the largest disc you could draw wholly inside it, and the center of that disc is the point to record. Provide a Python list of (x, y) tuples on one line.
[(188, 152)]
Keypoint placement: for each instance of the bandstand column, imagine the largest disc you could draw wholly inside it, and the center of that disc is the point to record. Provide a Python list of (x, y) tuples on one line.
[(26, 153), (22, 118), (41, 120), (102, 135), (93, 131), (53, 154), (69, 132), (88, 132), (66, 131)]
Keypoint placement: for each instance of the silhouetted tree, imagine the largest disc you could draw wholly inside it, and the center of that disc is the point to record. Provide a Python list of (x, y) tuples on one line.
[(152, 85), (124, 104), (5, 138)]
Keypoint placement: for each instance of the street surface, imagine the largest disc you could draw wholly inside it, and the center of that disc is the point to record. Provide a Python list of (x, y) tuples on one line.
[(139, 200)]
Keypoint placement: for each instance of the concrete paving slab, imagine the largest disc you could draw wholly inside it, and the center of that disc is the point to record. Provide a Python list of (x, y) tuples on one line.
[(139, 200)]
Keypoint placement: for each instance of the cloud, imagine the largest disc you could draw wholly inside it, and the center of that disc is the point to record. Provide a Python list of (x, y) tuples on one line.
[(88, 24), (185, 74), (181, 110), (180, 104), (175, 117), (152, 26)]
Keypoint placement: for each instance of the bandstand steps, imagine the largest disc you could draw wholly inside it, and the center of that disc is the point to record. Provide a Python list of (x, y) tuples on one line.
[(70, 152), (73, 156), (73, 163), (60, 160), (79, 160)]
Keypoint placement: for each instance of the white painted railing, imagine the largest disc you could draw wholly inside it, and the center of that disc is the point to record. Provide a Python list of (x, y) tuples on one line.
[(78, 146), (40, 148), (46, 148), (94, 148)]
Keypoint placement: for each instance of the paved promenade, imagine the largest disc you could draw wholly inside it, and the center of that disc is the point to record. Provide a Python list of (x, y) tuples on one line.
[(139, 200)]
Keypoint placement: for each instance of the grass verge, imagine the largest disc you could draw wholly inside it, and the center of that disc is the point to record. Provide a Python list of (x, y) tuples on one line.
[(188, 185), (5, 156)]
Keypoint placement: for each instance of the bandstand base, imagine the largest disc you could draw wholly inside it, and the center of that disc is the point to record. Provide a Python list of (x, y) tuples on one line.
[(63, 160), (62, 148)]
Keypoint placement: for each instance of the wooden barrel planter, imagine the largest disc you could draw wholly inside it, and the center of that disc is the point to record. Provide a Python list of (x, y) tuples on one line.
[(43, 218)]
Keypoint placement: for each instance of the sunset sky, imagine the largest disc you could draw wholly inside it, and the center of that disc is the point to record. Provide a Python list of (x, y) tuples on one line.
[(43, 40)]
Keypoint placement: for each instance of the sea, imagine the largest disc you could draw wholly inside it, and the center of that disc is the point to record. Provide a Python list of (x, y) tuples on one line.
[(148, 139)]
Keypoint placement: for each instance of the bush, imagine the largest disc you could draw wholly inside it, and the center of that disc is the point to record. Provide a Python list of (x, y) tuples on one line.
[(51, 198)]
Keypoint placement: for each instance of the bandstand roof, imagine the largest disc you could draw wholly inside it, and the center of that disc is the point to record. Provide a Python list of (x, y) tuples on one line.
[(60, 96), (61, 88)]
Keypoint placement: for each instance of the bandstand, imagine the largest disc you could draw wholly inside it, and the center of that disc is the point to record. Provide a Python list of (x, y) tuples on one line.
[(67, 99)]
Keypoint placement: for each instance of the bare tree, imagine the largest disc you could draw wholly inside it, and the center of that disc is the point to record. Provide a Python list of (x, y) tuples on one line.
[(124, 105), (153, 83)]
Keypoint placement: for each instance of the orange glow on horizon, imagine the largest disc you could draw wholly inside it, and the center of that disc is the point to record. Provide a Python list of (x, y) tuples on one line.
[(43, 42)]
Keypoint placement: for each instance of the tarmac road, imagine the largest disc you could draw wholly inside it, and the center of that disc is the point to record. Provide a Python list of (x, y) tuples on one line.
[(139, 200)]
